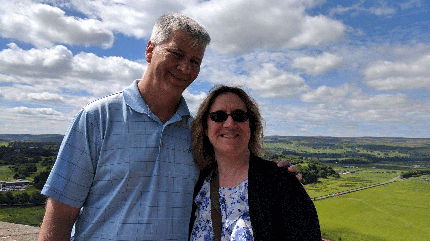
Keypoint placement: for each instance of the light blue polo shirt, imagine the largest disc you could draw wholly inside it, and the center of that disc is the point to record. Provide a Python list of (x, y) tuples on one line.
[(132, 175)]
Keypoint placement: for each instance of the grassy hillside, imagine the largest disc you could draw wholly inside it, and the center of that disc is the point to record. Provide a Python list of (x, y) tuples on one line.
[(27, 215), (397, 211), (361, 178)]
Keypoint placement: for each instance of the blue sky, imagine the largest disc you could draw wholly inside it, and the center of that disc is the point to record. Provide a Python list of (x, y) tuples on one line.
[(315, 67)]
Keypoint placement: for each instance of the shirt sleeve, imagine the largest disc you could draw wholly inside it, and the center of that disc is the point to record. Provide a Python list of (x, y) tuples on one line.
[(72, 175)]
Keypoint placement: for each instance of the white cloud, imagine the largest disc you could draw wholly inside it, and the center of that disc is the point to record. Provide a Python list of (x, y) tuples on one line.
[(316, 31), (30, 94), (359, 114), (36, 63), (240, 26), (57, 68), (234, 25), (379, 101), (52, 84), (132, 18), (326, 94), (45, 96), (318, 65), (24, 120), (272, 82), (44, 25), (35, 112), (349, 102), (194, 100), (400, 75), (411, 4), (380, 8)]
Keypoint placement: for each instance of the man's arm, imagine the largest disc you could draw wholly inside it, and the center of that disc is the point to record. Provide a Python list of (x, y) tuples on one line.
[(58, 221)]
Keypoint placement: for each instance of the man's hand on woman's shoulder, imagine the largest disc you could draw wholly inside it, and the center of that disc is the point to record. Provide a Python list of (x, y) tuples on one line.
[(291, 168)]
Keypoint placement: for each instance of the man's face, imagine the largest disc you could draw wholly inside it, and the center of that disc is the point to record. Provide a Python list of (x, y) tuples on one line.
[(175, 63)]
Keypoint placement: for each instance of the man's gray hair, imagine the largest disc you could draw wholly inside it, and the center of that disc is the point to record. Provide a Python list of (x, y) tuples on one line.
[(175, 21)]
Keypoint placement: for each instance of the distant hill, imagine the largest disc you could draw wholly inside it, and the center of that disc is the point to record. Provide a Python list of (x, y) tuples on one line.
[(32, 138), (337, 140), (267, 139)]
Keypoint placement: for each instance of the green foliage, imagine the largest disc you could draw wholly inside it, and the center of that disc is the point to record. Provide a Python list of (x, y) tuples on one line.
[(23, 170), (313, 170), (13, 198), (8, 198), (22, 198), (48, 161), (40, 179), (415, 173), (27, 152), (37, 199)]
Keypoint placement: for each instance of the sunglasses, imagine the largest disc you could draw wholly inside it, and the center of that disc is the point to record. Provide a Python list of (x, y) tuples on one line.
[(221, 116)]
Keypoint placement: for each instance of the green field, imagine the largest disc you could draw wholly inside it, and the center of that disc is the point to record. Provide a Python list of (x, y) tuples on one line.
[(22, 215), (361, 178), (396, 211), (5, 173)]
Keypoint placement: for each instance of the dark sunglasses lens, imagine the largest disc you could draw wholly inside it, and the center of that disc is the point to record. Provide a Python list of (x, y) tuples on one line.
[(239, 116), (218, 116)]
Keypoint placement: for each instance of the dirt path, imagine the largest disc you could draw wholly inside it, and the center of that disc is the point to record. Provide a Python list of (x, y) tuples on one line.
[(17, 232)]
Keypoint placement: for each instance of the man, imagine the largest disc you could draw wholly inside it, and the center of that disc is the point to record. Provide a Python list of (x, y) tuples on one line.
[(125, 170)]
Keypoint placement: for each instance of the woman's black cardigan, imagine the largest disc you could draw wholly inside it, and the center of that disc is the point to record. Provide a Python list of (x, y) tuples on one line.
[(279, 207)]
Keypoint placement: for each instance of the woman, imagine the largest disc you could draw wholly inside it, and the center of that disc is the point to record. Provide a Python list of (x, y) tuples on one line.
[(256, 200)]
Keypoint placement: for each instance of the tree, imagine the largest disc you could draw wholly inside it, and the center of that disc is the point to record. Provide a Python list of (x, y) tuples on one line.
[(22, 198), (24, 170), (2, 198), (48, 161), (10, 199), (40, 179), (37, 199)]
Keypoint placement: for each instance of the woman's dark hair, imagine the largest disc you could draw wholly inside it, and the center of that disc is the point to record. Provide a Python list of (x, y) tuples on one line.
[(202, 148)]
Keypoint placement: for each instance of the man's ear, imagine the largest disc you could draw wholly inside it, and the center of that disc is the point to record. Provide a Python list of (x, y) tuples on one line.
[(148, 51)]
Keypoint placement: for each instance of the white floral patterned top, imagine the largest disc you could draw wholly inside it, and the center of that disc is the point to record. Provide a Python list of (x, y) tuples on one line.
[(236, 224)]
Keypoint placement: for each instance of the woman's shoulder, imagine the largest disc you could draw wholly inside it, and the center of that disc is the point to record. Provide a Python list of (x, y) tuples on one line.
[(261, 163)]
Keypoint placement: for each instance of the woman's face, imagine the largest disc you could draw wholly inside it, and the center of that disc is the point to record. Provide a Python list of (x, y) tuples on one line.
[(228, 137)]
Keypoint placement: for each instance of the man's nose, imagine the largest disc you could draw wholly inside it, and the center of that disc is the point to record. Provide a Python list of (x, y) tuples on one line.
[(185, 66)]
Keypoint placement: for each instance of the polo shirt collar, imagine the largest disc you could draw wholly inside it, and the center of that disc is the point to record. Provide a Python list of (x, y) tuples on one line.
[(133, 99)]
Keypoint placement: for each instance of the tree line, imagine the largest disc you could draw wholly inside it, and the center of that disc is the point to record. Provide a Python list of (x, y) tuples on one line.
[(310, 168), (21, 198), (415, 173)]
